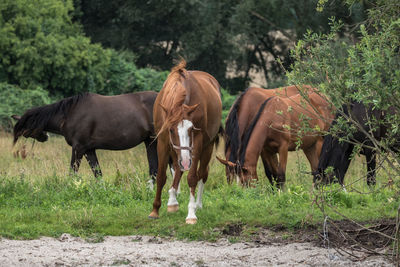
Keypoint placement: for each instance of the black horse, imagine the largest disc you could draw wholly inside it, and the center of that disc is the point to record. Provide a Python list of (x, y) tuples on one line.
[(338, 154), (90, 121)]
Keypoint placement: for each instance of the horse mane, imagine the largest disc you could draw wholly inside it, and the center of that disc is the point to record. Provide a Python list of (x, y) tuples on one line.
[(232, 129), (175, 95), (247, 134), (36, 119)]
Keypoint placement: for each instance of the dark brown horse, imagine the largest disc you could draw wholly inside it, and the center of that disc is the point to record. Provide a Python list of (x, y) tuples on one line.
[(187, 119), (240, 117), (275, 130), (338, 154), (91, 121)]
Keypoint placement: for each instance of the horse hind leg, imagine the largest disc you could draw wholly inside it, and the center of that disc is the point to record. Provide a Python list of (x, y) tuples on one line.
[(203, 175), (172, 169), (152, 158), (199, 178), (91, 157), (76, 158)]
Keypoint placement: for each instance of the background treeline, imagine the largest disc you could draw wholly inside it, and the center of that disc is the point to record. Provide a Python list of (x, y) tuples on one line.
[(218, 36), (50, 49)]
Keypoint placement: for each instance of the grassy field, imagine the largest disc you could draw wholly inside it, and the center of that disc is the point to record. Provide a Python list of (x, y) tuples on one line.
[(38, 197)]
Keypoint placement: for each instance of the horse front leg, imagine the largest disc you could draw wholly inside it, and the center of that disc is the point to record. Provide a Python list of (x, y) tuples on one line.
[(91, 157), (173, 205), (267, 159), (76, 158), (162, 151)]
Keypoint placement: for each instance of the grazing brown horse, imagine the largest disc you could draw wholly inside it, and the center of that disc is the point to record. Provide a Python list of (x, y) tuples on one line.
[(240, 117), (187, 119), (279, 125), (91, 121)]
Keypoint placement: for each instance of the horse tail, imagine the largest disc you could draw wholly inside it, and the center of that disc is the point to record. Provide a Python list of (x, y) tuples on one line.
[(249, 131), (232, 129)]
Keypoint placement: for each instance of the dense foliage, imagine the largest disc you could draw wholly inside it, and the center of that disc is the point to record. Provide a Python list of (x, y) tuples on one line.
[(47, 54), (40, 45), (367, 71), (13, 100), (229, 39)]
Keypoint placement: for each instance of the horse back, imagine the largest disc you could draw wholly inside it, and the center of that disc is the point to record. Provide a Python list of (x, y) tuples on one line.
[(205, 90), (111, 122)]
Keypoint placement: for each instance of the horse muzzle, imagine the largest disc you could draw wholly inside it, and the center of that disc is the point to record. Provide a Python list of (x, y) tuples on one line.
[(185, 164)]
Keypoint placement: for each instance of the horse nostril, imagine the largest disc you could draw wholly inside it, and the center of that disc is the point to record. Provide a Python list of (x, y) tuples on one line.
[(185, 164)]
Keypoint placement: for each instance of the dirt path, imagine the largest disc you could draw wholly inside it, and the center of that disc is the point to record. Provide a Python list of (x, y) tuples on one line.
[(151, 251)]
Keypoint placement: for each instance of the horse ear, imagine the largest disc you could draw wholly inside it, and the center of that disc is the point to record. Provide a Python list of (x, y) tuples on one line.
[(226, 162), (16, 117), (189, 109)]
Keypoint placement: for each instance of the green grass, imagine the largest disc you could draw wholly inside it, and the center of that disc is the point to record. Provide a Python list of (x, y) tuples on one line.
[(38, 197)]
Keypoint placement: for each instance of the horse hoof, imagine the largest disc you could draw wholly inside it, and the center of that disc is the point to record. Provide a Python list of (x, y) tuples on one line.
[(191, 221), (153, 215), (173, 208)]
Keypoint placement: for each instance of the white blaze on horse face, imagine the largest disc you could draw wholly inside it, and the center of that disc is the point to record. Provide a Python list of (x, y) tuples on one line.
[(184, 139)]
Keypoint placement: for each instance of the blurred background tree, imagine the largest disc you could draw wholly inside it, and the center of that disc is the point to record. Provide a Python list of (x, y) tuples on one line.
[(229, 39), (111, 47)]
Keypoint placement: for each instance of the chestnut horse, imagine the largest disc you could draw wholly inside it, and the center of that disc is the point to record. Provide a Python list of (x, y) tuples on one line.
[(239, 118), (187, 120), (284, 124), (90, 121)]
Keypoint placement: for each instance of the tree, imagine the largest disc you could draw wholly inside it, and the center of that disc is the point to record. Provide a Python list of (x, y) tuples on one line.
[(41, 46), (225, 38)]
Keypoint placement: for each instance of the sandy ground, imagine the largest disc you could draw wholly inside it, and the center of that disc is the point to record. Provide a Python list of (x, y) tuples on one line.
[(153, 251)]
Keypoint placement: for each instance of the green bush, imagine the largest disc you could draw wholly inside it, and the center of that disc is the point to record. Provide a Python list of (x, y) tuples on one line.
[(227, 102), (14, 100), (124, 77), (40, 46)]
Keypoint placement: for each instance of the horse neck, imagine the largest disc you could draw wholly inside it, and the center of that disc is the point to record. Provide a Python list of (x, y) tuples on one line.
[(248, 134), (54, 125)]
